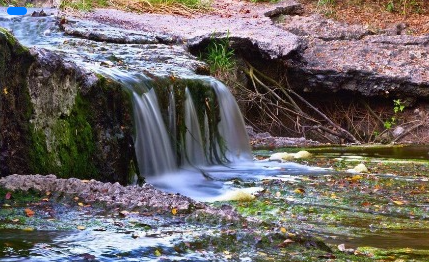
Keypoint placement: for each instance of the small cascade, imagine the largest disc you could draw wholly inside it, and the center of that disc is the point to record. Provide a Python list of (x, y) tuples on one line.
[(231, 126), (194, 147), (152, 144)]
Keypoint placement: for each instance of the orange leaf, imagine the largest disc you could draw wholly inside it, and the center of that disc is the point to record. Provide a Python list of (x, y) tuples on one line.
[(29, 212)]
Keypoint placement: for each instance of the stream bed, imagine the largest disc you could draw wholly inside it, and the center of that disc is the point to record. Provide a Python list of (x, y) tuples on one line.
[(306, 210)]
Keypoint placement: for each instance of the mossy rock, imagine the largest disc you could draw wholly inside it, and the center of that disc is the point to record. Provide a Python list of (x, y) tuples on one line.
[(56, 118)]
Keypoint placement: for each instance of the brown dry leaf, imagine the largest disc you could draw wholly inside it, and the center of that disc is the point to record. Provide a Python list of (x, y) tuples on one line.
[(84, 181), (124, 213), (76, 198), (45, 199), (29, 212)]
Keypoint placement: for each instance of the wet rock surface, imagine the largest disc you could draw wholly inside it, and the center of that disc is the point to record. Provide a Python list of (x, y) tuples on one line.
[(141, 198), (145, 198)]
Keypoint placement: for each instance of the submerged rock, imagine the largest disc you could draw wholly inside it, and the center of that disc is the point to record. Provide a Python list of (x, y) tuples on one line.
[(302, 155), (281, 157), (360, 168)]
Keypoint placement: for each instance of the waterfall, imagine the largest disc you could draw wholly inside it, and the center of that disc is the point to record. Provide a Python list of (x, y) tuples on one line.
[(196, 133), (231, 126), (152, 144), (194, 148)]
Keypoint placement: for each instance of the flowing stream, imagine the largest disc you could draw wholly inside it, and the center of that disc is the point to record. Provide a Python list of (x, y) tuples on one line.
[(215, 142), (202, 159)]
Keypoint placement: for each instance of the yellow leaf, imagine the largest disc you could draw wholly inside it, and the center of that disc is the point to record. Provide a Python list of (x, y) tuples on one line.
[(174, 211), (48, 193), (157, 253), (226, 252), (299, 191), (399, 203), (80, 204), (15, 220), (356, 178), (283, 230), (45, 199), (6, 205), (28, 229), (5, 91), (81, 227), (84, 181)]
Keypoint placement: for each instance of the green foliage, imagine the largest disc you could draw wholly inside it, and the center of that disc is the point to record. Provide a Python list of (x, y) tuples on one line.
[(398, 107), (219, 55), (188, 3), (82, 5), (390, 7), (327, 7)]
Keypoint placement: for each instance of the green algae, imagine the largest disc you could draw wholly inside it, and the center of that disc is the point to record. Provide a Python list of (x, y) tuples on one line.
[(73, 145)]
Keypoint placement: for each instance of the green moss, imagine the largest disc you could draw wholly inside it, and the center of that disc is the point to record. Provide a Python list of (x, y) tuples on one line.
[(13, 42), (71, 147)]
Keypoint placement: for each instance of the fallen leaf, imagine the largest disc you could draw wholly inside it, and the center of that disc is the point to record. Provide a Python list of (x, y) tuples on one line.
[(278, 194), (283, 230), (80, 204), (28, 229), (29, 212), (15, 220), (81, 227), (48, 193), (76, 198), (6, 205), (299, 191), (342, 247), (45, 199), (124, 213), (286, 242), (399, 203), (157, 253), (174, 211), (8, 195)]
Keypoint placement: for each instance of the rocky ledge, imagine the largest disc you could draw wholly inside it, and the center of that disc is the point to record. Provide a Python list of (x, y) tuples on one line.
[(113, 195), (318, 54)]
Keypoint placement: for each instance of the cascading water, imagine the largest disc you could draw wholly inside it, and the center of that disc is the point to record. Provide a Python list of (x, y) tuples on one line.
[(153, 148), (189, 133), (231, 126), (194, 146)]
